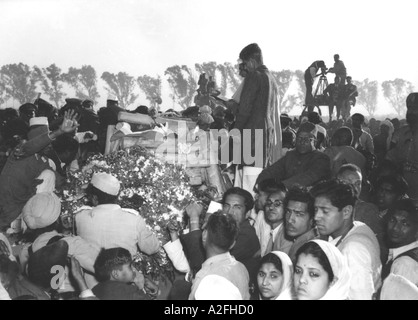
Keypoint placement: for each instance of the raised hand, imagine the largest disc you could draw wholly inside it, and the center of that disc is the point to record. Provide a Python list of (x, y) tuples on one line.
[(70, 123)]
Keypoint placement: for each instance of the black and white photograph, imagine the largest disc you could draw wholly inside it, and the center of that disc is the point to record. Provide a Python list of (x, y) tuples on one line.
[(179, 150)]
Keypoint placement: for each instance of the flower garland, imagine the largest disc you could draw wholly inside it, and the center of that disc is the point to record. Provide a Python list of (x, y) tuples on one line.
[(159, 191)]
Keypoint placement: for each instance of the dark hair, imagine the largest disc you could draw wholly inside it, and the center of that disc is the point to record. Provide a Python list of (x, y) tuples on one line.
[(350, 167), (8, 268), (222, 230), (288, 139), (248, 198), (340, 193), (10, 113), (102, 197), (142, 110), (274, 259), (315, 250), (109, 260), (65, 143), (407, 205), (314, 117), (342, 137), (358, 116), (24, 108), (271, 186), (301, 194), (251, 51), (400, 186)]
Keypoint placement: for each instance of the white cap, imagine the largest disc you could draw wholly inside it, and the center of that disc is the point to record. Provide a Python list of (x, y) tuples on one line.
[(106, 182), (38, 121), (214, 287), (42, 210), (112, 97)]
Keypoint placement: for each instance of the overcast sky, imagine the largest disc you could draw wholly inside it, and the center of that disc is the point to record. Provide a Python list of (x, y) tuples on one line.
[(375, 39)]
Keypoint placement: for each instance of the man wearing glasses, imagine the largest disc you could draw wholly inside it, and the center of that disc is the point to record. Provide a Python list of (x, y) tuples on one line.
[(304, 165)]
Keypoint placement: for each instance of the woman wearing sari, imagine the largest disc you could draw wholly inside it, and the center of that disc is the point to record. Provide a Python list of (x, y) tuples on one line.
[(275, 277), (321, 272)]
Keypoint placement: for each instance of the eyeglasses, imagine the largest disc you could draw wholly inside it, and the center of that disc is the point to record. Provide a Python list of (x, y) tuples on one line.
[(276, 203)]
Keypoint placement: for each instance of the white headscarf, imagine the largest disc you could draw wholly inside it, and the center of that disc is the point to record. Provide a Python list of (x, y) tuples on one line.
[(340, 286), (391, 130), (287, 267)]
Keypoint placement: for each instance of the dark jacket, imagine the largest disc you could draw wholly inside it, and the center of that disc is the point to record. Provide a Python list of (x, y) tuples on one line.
[(258, 109), (114, 290), (295, 168), (17, 179)]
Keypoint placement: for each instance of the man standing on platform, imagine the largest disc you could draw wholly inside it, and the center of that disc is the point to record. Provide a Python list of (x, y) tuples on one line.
[(257, 119)]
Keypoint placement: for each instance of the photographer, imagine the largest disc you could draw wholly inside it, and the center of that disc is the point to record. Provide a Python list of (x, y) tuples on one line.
[(310, 75)]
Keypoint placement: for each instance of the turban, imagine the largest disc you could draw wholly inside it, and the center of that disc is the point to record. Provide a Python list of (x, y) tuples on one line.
[(42, 210)]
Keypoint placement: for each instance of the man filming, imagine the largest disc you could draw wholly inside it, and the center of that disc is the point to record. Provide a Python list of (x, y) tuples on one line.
[(310, 75)]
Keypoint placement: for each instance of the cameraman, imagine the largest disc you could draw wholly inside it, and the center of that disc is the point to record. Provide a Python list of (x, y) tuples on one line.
[(310, 75)]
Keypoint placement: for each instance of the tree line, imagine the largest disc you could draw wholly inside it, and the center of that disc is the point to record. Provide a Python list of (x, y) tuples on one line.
[(22, 83)]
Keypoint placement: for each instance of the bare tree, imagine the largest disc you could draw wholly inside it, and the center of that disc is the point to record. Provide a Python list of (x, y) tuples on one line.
[(234, 78), (84, 82), (207, 67), (51, 82), (224, 78), (182, 83), (19, 82), (152, 88), (299, 75), (367, 95), (122, 85), (3, 95), (283, 79), (396, 91)]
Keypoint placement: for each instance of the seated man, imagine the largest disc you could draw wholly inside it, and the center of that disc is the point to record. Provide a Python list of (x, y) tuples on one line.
[(304, 165), (402, 236), (362, 140), (365, 212), (238, 203), (263, 190), (341, 152), (274, 218), (334, 203), (218, 238), (299, 219), (118, 279)]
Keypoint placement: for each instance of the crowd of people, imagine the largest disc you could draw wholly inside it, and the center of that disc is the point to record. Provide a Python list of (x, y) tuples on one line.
[(330, 214)]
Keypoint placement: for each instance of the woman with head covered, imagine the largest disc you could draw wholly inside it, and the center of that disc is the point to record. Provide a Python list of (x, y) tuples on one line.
[(321, 272), (275, 277)]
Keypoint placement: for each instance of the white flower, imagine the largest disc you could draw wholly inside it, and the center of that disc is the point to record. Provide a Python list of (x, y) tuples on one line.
[(165, 216)]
